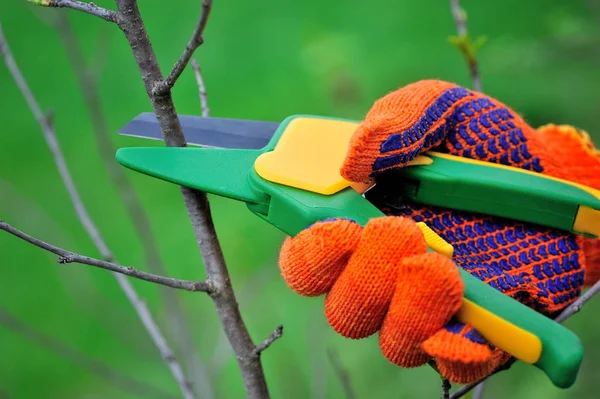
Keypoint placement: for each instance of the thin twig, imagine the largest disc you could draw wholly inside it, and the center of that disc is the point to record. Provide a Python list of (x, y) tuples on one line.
[(201, 89), (71, 257), (82, 290), (52, 143), (446, 388), (275, 335), (89, 226), (197, 205), (341, 373), (88, 8), (578, 304), (178, 324), (478, 392), (459, 17), (465, 389), (195, 41), (126, 383), (465, 45)]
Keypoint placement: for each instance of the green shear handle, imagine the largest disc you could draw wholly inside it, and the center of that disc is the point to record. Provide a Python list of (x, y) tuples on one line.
[(493, 189)]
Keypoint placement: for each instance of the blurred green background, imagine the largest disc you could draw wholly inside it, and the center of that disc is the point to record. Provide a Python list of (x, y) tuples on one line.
[(261, 60)]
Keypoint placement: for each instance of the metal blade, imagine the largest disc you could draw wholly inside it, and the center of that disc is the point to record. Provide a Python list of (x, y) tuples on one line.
[(207, 131)]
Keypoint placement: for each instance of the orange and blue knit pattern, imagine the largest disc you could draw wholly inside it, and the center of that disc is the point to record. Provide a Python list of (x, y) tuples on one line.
[(517, 259), (440, 115), (380, 279)]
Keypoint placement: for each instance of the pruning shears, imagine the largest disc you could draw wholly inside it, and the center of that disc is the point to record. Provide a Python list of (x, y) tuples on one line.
[(288, 174)]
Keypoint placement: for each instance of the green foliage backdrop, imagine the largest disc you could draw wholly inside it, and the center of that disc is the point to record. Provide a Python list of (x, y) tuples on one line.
[(261, 60)]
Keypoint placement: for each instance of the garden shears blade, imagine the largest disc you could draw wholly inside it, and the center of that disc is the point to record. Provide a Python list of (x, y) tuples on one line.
[(294, 182), (207, 131)]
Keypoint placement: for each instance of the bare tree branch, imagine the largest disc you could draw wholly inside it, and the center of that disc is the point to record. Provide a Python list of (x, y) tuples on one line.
[(224, 299), (88, 8), (103, 371), (159, 93), (479, 390), (342, 373), (196, 202), (275, 335), (445, 388), (459, 17), (81, 288), (130, 22), (201, 89), (464, 44), (178, 323), (89, 226), (465, 389), (576, 306), (195, 41), (71, 257)]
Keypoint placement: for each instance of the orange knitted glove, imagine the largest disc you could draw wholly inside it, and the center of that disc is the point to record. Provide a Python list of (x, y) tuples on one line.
[(373, 278), (380, 278)]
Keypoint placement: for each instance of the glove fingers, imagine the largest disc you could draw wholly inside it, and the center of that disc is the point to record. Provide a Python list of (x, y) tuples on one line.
[(357, 303), (461, 354), (428, 293), (312, 261)]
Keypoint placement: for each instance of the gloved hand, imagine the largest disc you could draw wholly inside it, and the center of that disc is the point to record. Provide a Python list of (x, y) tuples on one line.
[(380, 277)]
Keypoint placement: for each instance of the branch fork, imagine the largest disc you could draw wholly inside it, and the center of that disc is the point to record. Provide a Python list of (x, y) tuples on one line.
[(88, 8), (218, 285), (275, 335)]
